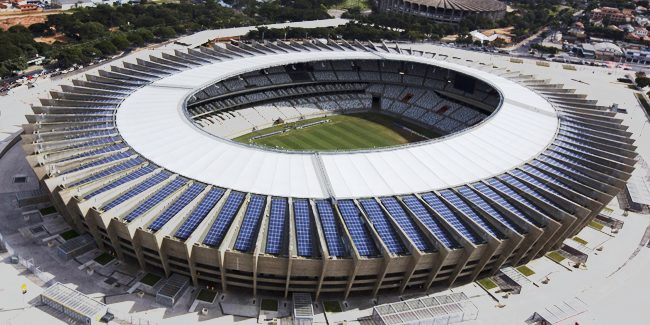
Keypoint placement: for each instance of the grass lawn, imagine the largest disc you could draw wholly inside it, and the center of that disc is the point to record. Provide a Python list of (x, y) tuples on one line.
[(269, 304), (46, 211), (206, 295), (525, 270), (644, 103), (596, 225), (487, 283), (580, 240), (332, 306), (150, 279), (343, 132), (69, 234), (360, 4), (104, 259), (555, 256)]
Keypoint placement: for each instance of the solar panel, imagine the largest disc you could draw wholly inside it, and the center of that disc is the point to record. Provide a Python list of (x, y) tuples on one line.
[(276, 226), (332, 235), (118, 156), (137, 190), (516, 183), (224, 219), (481, 203), (199, 213), (456, 201), (384, 228), (118, 168), (303, 228), (249, 225), (358, 232), (405, 222), (429, 221), (535, 182), (156, 198), (91, 143), (550, 169), (564, 154), (94, 152), (134, 175), (448, 215), (177, 206), (573, 141), (553, 162), (485, 190)]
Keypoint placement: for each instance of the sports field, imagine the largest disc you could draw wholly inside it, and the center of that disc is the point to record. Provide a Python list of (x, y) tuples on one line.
[(342, 132)]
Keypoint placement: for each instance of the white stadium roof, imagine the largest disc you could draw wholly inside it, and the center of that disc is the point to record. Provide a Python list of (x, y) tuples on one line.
[(152, 121)]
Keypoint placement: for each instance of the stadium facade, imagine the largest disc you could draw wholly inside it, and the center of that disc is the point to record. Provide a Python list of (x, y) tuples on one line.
[(446, 11), (139, 157)]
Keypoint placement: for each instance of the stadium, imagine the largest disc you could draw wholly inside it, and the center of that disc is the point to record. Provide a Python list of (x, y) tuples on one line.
[(452, 11), (252, 166)]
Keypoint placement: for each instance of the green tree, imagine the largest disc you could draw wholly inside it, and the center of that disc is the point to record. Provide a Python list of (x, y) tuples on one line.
[(180, 29), (106, 47), (39, 29), (147, 35), (642, 82), (120, 42), (164, 32), (92, 30), (135, 38), (18, 29), (70, 55)]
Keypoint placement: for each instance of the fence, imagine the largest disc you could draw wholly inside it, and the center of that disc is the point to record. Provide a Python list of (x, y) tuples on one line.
[(29, 263), (48, 281)]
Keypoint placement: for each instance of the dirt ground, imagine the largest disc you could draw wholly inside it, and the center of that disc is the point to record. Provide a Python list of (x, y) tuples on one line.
[(25, 19), (52, 39)]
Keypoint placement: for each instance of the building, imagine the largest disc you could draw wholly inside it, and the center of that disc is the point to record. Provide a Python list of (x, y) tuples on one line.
[(635, 56), (614, 15), (601, 51), (452, 11), (68, 4), (169, 193), (641, 31), (29, 7)]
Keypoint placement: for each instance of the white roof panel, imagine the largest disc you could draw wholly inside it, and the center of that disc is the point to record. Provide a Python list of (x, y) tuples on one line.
[(152, 122)]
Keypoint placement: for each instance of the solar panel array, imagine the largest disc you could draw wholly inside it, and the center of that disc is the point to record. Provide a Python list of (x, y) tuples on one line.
[(553, 162), (456, 201), (134, 175), (199, 213), (118, 156), (386, 231), (156, 198), (448, 215), (429, 221), (224, 219), (539, 184), (177, 206), (481, 203), (123, 166), (249, 225), (359, 233), (332, 235), (537, 172), (405, 222), (276, 226), (516, 183), (494, 196), (303, 228), (94, 152), (154, 180)]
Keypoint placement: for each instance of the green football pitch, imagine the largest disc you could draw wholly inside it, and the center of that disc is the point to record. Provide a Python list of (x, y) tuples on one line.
[(342, 132)]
